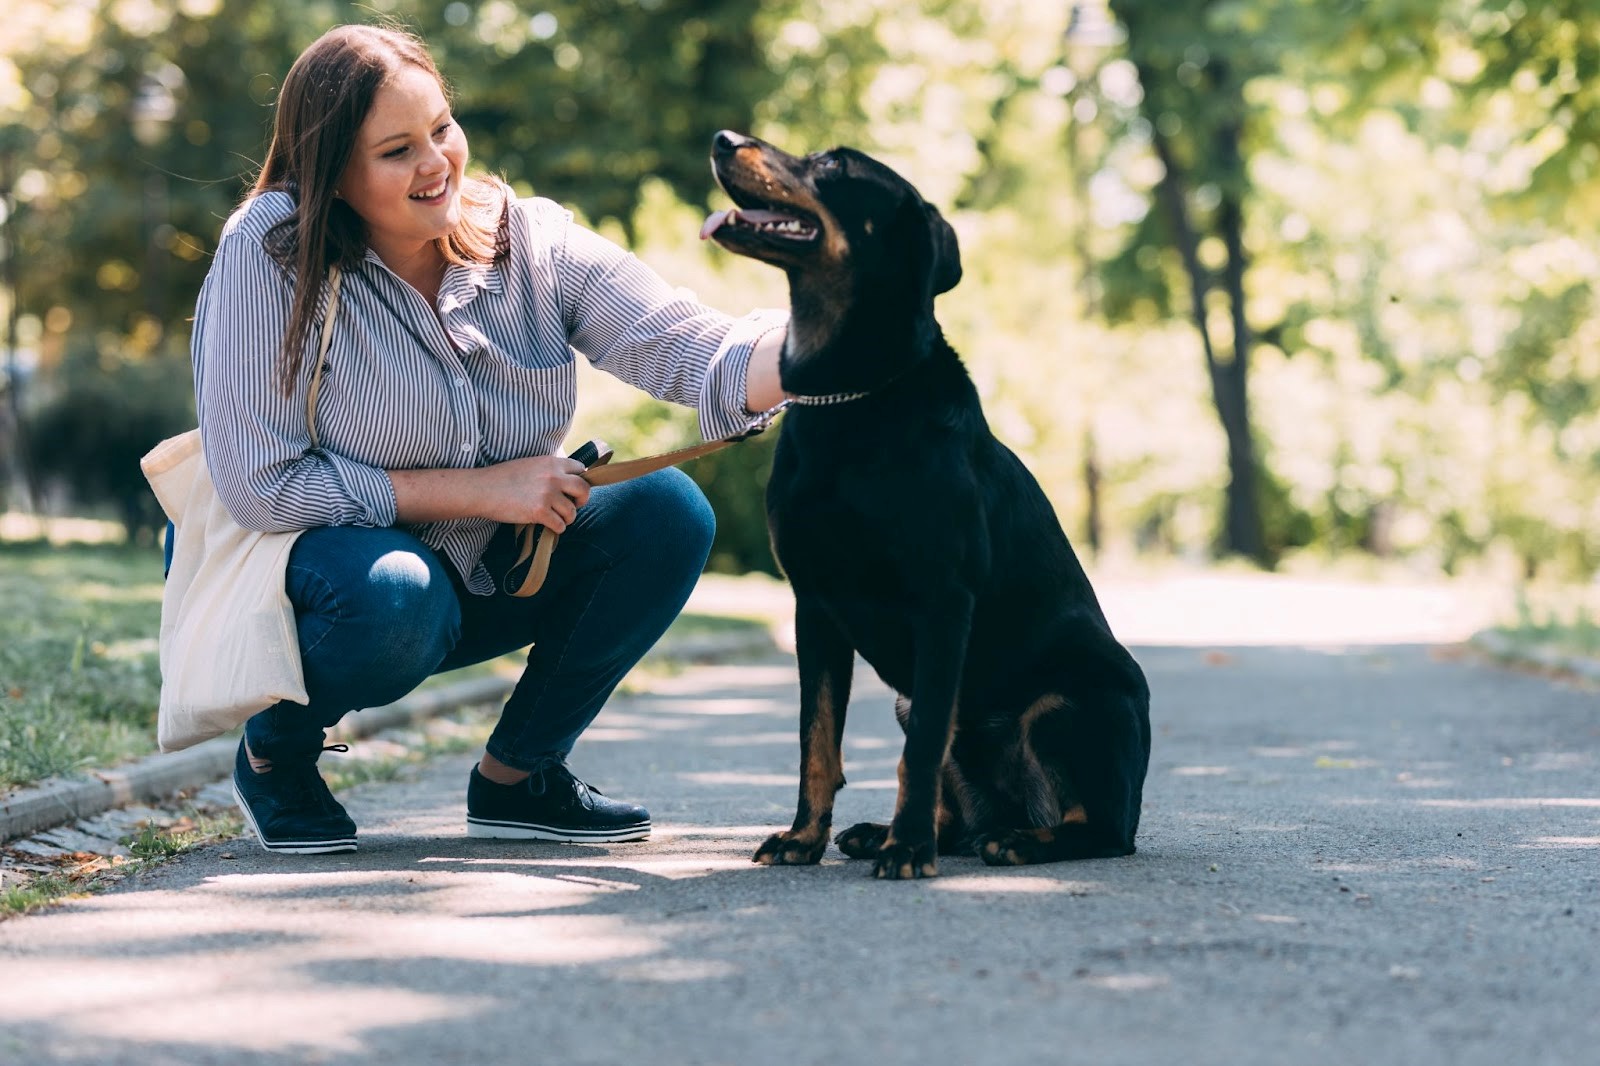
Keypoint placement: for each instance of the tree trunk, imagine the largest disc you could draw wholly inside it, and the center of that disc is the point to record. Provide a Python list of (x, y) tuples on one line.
[(1092, 523), (1242, 527)]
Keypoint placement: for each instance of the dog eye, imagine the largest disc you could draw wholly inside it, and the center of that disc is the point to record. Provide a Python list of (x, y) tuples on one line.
[(828, 163)]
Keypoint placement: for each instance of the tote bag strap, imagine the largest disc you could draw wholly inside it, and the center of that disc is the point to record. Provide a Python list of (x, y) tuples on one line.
[(335, 277)]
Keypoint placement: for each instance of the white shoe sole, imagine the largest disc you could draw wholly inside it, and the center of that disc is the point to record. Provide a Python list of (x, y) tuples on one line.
[(291, 847), (487, 830)]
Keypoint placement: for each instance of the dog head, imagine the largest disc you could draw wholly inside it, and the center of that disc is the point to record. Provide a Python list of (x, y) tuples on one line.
[(853, 236)]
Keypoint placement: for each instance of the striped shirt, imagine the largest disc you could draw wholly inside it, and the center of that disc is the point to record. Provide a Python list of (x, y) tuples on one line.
[(491, 377)]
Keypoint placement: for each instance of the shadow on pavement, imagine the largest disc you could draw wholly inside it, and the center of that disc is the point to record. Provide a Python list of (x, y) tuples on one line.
[(1378, 852)]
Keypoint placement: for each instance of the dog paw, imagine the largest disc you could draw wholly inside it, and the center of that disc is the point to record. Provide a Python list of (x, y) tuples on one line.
[(1015, 847), (898, 861), (790, 849), (862, 841)]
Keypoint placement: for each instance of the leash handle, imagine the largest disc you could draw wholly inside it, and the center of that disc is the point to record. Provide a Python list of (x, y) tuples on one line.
[(535, 543), (526, 575)]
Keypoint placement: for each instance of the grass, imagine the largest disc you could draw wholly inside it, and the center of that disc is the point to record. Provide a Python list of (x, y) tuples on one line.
[(81, 873), (37, 892), (448, 735), (78, 657), (156, 844), (1563, 620), (79, 669)]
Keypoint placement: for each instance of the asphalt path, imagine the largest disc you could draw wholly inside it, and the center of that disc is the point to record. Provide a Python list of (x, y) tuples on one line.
[(1374, 853)]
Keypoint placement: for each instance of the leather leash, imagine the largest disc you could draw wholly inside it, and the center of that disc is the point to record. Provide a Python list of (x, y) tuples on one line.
[(535, 543)]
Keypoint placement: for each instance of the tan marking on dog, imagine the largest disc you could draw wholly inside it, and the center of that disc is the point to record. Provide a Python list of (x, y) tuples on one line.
[(899, 796), (824, 769), (1075, 816), (1037, 793)]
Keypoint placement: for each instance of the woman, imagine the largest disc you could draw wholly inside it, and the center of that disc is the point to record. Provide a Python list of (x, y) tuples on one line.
[(446, 391)]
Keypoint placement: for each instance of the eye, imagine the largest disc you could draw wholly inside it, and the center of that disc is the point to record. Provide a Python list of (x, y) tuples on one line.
[(828, 164), (440, 133), (395, 153)]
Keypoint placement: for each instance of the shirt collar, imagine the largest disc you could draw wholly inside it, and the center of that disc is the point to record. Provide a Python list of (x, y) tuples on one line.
[(461, 284)]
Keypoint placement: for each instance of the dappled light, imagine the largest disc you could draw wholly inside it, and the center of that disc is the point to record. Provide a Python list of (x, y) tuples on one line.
[(1293, 310), (1015, 883), (1128, 982), (1563, 842), (1248, 868), (128, 1003)]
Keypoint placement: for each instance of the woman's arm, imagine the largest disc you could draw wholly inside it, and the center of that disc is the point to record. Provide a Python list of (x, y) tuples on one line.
[(630, 323), (762, 387), (546, 489), (256, 439)]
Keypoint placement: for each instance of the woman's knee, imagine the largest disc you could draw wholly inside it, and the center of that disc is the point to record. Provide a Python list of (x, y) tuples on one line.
[(372, 598), (681, 521)]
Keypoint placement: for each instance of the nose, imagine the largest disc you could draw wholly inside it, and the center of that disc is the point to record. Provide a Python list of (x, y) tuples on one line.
[(726, 142)]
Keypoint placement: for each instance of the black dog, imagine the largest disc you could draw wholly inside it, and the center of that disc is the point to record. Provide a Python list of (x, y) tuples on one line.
[(913, 536)]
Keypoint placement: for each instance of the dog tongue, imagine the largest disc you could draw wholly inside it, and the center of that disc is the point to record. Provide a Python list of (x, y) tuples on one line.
[(760, 218), (714, 223), (754, 216)]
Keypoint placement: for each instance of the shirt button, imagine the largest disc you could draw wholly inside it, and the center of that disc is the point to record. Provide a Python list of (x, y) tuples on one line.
[(466, 445), (461, 383)]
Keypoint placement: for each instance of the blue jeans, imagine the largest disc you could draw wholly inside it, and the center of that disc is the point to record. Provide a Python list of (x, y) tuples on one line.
[(378, 611)]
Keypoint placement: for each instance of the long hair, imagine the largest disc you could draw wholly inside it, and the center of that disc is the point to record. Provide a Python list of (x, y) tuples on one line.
[(324, 100)]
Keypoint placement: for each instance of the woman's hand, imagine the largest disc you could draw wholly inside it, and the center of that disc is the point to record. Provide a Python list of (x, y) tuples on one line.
[(546, 489), (543, 489)]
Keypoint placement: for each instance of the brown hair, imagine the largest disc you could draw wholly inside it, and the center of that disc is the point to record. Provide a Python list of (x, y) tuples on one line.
[(324, 100)]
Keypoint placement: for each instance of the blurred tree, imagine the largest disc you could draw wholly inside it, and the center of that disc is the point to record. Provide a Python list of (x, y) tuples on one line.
[(1193, 69), (87, 439), (142, 125), (145, 135)]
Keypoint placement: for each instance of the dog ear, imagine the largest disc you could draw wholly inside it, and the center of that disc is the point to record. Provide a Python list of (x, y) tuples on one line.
[(946, 270)]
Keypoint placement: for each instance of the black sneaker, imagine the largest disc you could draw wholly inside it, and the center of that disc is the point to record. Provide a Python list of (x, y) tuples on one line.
[(550, 805), (290, 807)]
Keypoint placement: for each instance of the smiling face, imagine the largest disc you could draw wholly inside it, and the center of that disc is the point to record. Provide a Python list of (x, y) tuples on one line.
[(404, 176)]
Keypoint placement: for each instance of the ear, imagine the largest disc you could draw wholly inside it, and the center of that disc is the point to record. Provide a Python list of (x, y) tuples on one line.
[(946, 270)]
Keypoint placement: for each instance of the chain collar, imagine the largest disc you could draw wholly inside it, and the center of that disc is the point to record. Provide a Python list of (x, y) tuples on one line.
[(830, 399)]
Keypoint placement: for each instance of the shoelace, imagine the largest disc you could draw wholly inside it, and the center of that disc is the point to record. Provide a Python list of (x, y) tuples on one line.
[(574, 783), (308, 790)]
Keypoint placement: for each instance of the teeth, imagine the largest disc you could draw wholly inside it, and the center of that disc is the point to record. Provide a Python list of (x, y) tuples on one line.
[(791, 226), (428, 194)]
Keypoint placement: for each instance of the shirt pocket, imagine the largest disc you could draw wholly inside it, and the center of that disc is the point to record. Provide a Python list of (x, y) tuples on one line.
[(525, 410)]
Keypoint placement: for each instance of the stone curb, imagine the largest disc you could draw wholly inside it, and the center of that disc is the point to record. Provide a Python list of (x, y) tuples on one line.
[(154, 777), (1500, 646)]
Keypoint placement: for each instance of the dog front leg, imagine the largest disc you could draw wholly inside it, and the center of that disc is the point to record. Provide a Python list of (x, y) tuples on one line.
[(941, 650), (826, 659)]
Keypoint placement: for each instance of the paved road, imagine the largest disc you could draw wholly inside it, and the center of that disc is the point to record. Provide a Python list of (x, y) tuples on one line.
[(1349, 854)]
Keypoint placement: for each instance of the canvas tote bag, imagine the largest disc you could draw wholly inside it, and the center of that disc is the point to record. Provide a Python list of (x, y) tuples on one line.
[(228, 645)]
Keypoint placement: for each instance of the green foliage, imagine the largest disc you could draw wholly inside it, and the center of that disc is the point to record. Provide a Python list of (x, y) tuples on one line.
[(734, 480), (1543, 356), (78, 657), (1410, 183), (1285, 525), (37, 892), (145, 130), (542, 91), (89, 437)]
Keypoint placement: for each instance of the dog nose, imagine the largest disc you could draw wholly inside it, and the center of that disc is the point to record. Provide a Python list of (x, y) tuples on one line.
[(726, 142)]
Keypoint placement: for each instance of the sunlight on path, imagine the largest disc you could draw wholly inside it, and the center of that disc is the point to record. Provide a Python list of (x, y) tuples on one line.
[(1221, 609)]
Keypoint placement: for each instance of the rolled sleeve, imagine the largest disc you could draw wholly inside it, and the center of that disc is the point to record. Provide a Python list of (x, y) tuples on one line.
[(724, 406), (630, 323)]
